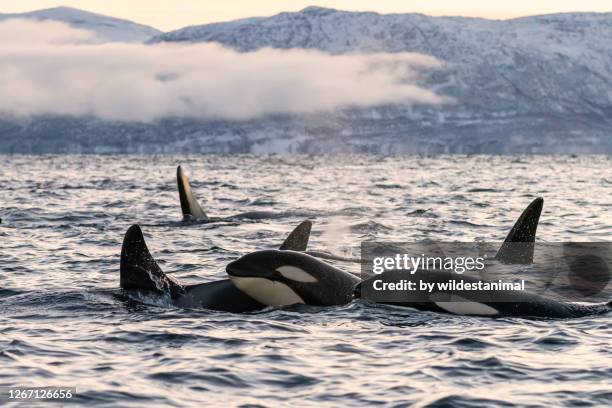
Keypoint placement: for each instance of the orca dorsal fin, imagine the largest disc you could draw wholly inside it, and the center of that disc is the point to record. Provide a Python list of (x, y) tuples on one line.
[(189, 205), (139, 271), (523, 231), (297, 240)]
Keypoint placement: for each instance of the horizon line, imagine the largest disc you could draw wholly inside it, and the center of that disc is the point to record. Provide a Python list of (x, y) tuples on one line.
[(516, 17)]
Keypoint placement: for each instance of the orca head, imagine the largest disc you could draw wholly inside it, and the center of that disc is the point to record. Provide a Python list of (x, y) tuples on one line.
[(276, 278)]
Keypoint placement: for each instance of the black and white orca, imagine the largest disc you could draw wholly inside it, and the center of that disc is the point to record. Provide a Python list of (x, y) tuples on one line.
[(284, 278), (498, 303), (140, 272), (192, 211)]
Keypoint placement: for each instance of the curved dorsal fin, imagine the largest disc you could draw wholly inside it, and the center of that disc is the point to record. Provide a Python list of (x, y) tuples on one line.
[(523, 231), (189, 205), (298, 238), (139, 271)]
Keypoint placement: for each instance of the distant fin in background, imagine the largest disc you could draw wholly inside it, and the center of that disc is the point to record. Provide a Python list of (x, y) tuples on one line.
[(298, 238), (189, 205), (139, 271), (523, 231)]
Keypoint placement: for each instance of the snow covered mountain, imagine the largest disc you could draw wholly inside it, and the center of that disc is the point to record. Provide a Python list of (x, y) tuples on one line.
[(106, 28), (539, 84), (546, 64)]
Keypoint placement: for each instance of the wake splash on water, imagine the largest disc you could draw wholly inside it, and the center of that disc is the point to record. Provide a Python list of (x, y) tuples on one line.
[(64, 321)]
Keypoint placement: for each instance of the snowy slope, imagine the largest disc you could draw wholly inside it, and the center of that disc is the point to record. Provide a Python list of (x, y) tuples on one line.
[(539, 84), (553, 63), (106, 28)]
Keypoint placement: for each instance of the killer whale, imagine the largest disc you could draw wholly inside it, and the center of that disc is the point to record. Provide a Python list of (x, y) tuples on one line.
[(192, 211), (284, 278), (497, 303), (140, 272), (258, 273)]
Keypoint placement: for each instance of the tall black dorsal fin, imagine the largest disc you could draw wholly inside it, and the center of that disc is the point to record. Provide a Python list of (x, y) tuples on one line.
[(139, 271), (523, 231), (189, 205), (298, 238)]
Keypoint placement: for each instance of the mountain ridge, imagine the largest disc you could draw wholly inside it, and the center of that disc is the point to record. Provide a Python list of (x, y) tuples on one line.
[(106, 28), (533, 84)]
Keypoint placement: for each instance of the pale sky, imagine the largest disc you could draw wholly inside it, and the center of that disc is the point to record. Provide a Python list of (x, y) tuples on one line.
[(172, 14)]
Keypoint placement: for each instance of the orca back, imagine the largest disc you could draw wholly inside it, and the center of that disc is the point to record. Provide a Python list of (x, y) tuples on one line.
[(220, 295)]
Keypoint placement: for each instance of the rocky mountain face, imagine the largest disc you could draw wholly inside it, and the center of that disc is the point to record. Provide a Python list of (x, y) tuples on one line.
[(539, 84)]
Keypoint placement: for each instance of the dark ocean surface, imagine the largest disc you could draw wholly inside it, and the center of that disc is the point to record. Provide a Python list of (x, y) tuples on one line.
[(63, 321)]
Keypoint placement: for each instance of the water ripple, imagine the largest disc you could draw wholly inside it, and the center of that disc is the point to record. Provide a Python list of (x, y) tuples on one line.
[(63, 319)]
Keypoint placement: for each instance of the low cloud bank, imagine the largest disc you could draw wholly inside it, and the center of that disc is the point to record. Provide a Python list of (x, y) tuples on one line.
[(50, 68)]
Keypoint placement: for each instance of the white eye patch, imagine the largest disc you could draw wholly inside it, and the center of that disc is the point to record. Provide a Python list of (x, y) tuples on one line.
[(295, 274)]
